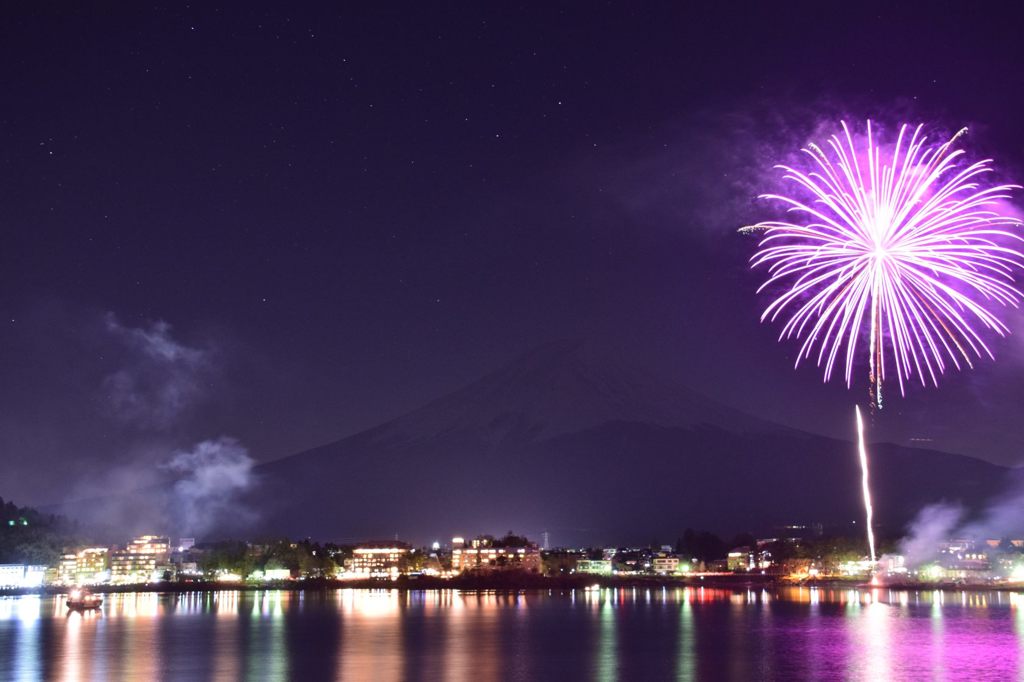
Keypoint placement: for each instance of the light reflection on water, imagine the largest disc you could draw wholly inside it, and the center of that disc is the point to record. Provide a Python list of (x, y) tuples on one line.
[(608, 634)]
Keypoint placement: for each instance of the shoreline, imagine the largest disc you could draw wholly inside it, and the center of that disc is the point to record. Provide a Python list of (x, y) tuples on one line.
[(513, 583)]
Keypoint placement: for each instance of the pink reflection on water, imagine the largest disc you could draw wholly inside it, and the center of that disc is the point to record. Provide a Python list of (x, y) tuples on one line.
[(689, 633)]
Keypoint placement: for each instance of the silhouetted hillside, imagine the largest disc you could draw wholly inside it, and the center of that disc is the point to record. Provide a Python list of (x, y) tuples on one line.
[(593, 453)]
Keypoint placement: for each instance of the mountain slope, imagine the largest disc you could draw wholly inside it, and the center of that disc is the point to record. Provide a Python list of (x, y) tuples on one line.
[(563, 440)]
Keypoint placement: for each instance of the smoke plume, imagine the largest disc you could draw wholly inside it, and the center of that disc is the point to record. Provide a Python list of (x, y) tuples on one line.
[(213, 475), (159, 378), (933, 525), (162, 484), (1002, 518)]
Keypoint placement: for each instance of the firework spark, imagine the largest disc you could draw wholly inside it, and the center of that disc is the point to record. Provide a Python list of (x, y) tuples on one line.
[(905, 244), (869, 511)]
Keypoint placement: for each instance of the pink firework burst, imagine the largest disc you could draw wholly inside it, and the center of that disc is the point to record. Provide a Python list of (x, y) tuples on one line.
[(904, 244)]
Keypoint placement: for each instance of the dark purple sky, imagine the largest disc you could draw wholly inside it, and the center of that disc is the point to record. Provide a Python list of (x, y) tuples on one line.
[(287, 225)]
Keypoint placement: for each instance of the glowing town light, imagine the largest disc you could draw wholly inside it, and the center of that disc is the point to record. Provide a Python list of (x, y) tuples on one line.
[(21, 575), (905, 244), (869, 511)]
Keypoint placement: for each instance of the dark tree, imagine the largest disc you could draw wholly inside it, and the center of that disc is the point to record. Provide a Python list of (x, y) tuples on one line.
[(703, 545)]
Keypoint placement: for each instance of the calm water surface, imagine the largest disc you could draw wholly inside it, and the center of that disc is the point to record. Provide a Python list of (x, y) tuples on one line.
[(605, 635)]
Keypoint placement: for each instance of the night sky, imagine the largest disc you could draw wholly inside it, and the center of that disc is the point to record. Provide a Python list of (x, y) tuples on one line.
[(287, 225)]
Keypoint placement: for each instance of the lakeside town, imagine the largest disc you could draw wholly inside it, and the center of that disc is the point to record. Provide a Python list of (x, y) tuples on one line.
[(805, 555)]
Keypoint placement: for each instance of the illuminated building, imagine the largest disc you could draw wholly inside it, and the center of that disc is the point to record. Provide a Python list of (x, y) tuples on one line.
[(665, 564), (964, 559), (379, 560), (740, 559), (150, 544), (143, 560), (487, 554), (21, 576), (594, 566), (92, 561), (67, 569), (127, 567), (85, 567)]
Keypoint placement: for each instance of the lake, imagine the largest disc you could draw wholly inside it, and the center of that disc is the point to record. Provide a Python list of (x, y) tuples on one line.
[(609, 634)]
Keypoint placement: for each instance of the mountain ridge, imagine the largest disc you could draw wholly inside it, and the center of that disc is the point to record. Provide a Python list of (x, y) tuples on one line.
[(560, 436), (624, 398)]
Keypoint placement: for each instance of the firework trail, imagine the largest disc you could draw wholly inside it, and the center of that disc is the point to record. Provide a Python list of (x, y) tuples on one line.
[(869, 511), (905, 244)]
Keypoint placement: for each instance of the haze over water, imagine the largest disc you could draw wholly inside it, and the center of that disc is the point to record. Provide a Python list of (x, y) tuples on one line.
[(604, 635)]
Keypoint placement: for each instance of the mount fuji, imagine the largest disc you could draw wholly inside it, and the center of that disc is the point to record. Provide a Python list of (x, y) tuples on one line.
[(566, 441)]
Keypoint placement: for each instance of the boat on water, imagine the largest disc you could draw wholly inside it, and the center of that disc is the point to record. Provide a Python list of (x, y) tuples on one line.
[(83, 600)]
